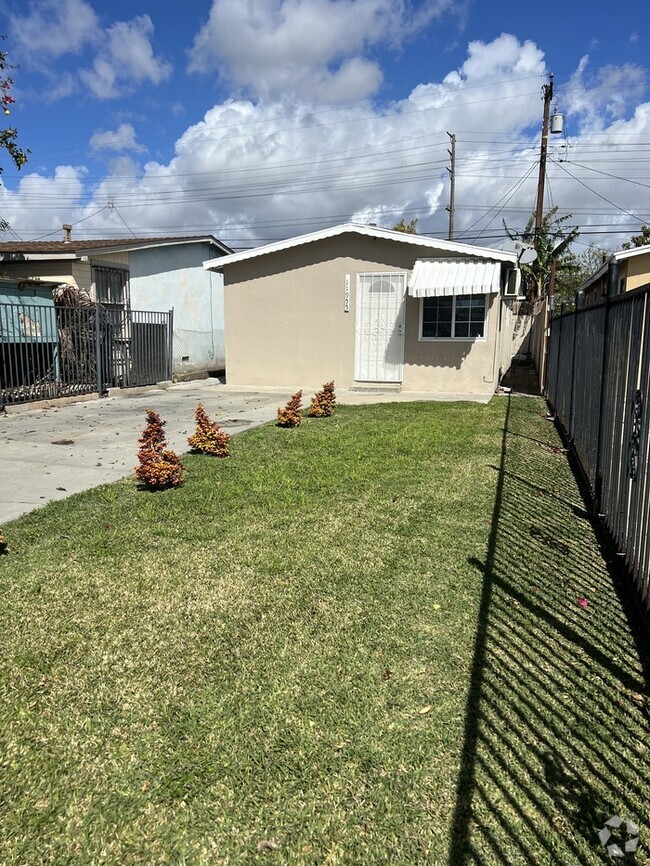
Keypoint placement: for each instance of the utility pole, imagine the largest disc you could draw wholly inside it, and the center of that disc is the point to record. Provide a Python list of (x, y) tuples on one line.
[(452, 184), (547, 93)]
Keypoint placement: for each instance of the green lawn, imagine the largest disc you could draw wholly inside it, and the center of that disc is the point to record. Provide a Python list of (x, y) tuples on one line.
[(355, 642)]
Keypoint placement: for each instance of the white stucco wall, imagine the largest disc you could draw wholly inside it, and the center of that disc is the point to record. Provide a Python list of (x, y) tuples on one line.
[(165, 278)]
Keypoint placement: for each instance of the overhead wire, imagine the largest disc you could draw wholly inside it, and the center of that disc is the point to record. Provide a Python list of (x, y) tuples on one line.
[(512, 190), (604, 198), (78, 222)]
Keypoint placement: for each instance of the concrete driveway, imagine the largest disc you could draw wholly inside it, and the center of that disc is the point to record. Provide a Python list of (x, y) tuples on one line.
[(52, 453)]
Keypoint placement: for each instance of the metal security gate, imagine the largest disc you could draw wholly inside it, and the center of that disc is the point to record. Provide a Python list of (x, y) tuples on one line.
[(48, 352), (379, 353), (151, 355), (141, 347)]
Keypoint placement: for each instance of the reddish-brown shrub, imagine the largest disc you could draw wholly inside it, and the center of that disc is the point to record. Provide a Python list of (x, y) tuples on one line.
[(209, 437), (158, 467), (290, 415), (322, 403)]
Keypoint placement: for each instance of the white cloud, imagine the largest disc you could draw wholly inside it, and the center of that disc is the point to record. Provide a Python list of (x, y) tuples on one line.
[(255, 171), (120, 139), (126, 60), (605, 94), (505, 54), (53, 28), (62, 85), (305, 48), (123, 58), (46, 202)]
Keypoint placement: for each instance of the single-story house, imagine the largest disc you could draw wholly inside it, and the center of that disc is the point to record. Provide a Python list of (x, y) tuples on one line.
[(632, 272), (364, 306), (154, 274)]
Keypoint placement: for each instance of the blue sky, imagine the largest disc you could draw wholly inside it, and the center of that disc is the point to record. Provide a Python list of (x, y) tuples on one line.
[(257, 120)]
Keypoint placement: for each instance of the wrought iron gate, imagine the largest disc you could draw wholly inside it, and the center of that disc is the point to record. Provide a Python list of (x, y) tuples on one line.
[(48, 352)]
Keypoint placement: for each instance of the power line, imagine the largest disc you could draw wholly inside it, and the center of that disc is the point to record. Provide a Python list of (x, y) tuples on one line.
[(607, 174), (78, 222), (604, 198), (511, 190)]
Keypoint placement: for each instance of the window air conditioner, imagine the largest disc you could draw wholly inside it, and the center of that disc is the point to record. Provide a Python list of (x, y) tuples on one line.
[(512, 284)]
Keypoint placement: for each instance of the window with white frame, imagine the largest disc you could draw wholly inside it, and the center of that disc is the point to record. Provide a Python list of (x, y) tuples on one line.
[(453, 318)]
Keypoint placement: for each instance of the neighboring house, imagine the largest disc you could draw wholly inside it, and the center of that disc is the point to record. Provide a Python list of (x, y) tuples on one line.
[(632, 271), (366, 306), (152, 274)]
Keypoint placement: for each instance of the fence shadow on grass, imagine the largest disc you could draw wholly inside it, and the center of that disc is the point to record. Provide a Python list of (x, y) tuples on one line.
[(556, 728)]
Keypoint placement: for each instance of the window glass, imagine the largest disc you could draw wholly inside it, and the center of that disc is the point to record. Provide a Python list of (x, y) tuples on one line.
[(437, 317), (461, 317)]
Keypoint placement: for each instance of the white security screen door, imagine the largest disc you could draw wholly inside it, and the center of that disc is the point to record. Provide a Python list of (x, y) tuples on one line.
[(380, 327)]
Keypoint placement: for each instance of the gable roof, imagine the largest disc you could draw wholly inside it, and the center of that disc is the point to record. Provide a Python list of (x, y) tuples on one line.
[(369, 231), (74, 248)]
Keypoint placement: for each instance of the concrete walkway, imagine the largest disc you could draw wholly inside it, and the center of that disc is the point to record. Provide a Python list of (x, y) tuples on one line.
[(51, 453)]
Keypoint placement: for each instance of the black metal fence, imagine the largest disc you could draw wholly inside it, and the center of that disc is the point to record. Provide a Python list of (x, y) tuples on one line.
[(48, 351), (598, 383)]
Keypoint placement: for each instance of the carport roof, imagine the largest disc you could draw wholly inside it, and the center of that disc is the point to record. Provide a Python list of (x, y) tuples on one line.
[(419, 241)]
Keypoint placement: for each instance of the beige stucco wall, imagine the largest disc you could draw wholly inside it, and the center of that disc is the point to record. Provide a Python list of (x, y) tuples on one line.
[(116, 260), (71, 271), (449, 366), (286, 325), (637, 272)]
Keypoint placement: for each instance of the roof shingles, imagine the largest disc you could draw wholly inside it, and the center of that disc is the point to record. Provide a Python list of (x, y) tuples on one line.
[(83, 246)]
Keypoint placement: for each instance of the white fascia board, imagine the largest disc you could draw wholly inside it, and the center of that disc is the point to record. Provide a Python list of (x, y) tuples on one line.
[(123, 248), (629, 254), (368, 231), (620, 256)]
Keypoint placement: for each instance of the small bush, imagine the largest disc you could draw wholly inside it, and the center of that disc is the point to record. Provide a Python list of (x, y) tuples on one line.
[(3, 544), (158, 467), (209, 437), (290, 415), (322, 403)]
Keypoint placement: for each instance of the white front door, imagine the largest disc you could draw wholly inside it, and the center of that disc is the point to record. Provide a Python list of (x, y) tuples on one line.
[(380, 327)]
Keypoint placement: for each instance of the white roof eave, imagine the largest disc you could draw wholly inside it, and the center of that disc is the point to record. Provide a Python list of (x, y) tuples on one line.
[(619, 256), (369, 231)]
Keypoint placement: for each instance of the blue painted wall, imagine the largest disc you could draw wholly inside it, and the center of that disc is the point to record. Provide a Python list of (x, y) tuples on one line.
[(163, 278)]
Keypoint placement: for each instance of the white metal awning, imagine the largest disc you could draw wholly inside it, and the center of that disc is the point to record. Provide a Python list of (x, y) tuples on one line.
[(435, 278)]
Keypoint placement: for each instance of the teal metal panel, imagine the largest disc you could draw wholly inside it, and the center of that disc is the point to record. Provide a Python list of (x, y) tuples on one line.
[(26, 314)]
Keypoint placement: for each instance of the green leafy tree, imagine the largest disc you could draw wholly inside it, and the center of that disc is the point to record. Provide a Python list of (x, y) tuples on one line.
[(8, 136), (570, 280), (640, 240), (553, 242), (410, 228)]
